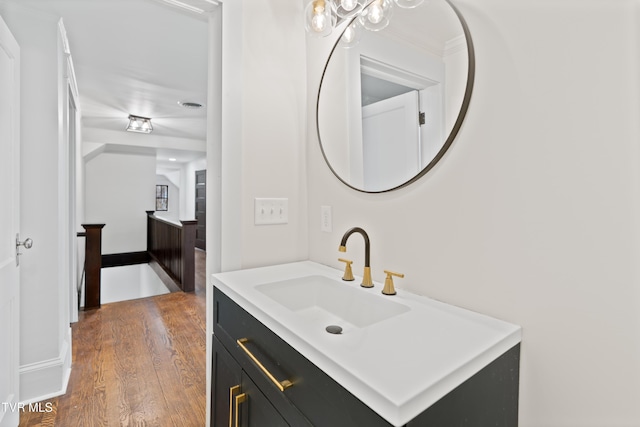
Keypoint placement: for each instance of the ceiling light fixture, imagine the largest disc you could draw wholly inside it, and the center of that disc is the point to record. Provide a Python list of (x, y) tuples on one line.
[(322, 16), (139, 124), (351, 35), (377, 15), (319, 17)]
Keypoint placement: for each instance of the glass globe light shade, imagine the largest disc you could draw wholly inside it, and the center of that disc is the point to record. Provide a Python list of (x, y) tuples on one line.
[(409, 4), (351, 35), (377, 15), (319, 18)]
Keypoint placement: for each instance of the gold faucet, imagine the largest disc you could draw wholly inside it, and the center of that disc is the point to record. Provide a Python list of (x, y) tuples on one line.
[(389, 289), (366, 277), (348, 273)]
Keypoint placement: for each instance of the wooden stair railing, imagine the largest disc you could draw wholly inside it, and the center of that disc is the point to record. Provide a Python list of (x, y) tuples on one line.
[(172, 245)]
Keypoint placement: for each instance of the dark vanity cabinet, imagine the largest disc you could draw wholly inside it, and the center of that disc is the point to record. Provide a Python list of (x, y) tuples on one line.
[(238, 401), (260, 380), (314, 399), (227, 376)]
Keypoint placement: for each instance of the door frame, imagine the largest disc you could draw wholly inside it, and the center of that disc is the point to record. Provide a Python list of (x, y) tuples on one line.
[(67, 172), (9, 411)]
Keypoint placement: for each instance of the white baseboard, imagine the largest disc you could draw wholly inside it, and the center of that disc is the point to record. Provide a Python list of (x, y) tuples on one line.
[(48, 378)]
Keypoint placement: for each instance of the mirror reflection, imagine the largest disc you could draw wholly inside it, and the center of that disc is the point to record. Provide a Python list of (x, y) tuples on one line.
[(392, 99)]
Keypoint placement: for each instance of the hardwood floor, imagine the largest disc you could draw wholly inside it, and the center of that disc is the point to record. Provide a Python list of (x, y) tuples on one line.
[(136, 363)]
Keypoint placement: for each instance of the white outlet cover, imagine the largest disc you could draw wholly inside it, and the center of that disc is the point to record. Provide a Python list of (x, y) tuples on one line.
[(326, 221)]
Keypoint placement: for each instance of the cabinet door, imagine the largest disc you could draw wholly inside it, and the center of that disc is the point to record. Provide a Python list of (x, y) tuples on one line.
[(236, 400), (226, 383), (315, 399), (256, 410)]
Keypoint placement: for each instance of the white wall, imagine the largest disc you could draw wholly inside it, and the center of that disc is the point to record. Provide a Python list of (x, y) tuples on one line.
[(120, 199), (45, 342), (456, 66), (173, 211), (532, 215), (255, 136), (263, 131)]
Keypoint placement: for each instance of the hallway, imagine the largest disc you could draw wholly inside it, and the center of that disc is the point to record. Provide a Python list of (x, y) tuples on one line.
[(138, 362)]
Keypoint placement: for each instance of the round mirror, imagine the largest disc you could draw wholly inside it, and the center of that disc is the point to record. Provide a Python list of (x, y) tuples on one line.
[(393, 95)]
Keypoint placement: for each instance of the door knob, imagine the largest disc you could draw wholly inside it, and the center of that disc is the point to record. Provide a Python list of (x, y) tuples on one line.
[(28, 244)]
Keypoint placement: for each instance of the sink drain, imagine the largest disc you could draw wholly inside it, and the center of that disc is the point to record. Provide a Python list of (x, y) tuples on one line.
[(334, 329)]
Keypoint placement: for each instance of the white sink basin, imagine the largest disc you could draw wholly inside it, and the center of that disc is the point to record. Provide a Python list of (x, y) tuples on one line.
[(398, 354), (322, 300)]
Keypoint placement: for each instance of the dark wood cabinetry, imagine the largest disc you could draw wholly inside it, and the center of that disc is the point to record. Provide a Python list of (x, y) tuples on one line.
[(227, 374), (305, 403), (238, 401), (248, 354)]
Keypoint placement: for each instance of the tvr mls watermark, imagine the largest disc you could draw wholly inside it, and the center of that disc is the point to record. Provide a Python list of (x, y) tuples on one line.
[(30, 407)]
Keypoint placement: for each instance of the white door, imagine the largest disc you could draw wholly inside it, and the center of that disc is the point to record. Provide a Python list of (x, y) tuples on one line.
[(9, 224), (391, 141)]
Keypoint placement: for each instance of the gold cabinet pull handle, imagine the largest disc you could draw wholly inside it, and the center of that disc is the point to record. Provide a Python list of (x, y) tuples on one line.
[(232, 391), (239, 399), (282, 385)]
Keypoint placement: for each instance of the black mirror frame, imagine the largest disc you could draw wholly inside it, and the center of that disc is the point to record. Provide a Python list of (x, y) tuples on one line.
[(454, 131)]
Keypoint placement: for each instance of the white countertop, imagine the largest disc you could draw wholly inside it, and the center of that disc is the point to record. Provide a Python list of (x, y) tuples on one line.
[(398, 367)]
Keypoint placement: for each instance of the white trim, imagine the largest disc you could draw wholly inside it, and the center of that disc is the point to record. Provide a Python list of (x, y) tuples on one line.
[(225, 14), (184, 6), (455, 45), (68, 245), (47, 378), (63, 37), (73, 145), (394, 74), (231, 143), (94, 153), (10, 274), (426, 46), (106, 136), (73, 84)]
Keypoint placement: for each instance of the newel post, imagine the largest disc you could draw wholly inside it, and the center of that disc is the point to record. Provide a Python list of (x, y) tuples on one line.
[(150, 231), (92, 265), (188, 255)]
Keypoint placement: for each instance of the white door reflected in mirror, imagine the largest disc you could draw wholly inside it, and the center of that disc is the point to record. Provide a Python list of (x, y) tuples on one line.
[(392, 119)]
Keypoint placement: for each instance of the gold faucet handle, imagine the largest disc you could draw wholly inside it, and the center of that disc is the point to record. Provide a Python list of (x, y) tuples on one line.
[(389, 289), (348, 272)]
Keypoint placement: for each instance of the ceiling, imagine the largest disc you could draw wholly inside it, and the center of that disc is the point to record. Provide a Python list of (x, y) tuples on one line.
[(143, 57), (432, 27), (138, 57)]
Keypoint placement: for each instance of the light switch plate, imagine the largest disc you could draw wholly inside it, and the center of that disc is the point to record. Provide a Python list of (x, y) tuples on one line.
[(271, 211)]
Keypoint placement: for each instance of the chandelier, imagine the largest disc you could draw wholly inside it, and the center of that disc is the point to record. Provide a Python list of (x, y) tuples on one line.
[(322, 16)]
